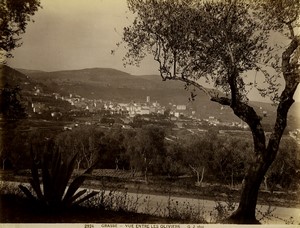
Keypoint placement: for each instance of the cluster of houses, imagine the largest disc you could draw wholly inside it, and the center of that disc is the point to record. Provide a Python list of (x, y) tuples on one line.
[(93, 105), (130, 109), (211, 120)]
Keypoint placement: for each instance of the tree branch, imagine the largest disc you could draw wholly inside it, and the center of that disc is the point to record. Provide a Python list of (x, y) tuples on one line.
[(291, 77), (291, 30), (222, 100), (191, 82), (287, 68), (248, 115)]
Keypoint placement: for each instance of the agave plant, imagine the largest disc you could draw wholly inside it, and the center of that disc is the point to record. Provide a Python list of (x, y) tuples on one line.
[(55, 179)]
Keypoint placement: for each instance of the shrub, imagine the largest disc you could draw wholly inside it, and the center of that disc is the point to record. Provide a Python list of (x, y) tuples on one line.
[(56, 193)]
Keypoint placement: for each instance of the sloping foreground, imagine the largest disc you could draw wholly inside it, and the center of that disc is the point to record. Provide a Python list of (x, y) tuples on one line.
[(15, 209)]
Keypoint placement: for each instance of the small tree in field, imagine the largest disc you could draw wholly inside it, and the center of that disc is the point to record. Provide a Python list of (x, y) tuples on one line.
[(222, 43), (197, 155), (148, 149)]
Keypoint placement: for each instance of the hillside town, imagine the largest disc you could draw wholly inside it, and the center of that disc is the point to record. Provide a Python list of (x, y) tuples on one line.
[(55, 106)]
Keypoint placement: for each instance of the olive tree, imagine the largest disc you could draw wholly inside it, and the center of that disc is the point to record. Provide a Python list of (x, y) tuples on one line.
[(148, 150), (223, 43), (83, 141), (284, 173), (198, 156), (10, 103), (14, 17)]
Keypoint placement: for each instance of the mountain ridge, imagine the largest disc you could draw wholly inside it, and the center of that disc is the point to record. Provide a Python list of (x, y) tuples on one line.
[(119, 86), (100, 72)]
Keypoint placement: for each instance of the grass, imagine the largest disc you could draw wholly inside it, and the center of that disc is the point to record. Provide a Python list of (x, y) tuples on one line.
[(183, 187), (107, 206), (16, 209), (117, 206), (114, 207)]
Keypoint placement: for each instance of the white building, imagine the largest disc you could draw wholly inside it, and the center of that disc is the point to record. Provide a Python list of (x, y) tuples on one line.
[(181, 107)]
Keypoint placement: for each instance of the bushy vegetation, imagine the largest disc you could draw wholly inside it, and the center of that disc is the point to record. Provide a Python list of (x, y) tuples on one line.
[(154, 151), (59, 192)]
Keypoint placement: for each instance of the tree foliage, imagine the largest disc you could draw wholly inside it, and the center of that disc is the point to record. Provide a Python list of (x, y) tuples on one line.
[(14, 18), (284, 172), (190, 40), (150, 149), (10, 103), (111, 150), (222, 43), (225, 159), (83, 141)]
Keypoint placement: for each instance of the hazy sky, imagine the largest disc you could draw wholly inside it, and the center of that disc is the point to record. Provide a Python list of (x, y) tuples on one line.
[(76, 34)]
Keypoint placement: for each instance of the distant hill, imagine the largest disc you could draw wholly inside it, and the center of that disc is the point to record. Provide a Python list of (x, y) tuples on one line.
[(106, 83), (119, 86), (103, 77), (11, 77), (25, 71)]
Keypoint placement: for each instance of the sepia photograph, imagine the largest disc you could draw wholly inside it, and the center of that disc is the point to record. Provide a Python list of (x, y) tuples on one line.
[(150, 113)]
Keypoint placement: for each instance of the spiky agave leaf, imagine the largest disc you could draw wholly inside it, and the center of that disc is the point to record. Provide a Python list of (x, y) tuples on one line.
[(90, 170), (27, 192), (55, 181), (47, 181), (55, 164), (37, 188), (55, 159), (88, 196), (76, 183), (62, 180), (35, 181), (60, 172), (71, 166), (56, 171), (75, 197), (74, 186), (67, 170)]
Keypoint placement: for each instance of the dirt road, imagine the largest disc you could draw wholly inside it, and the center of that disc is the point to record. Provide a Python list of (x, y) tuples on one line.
[(161, 205)]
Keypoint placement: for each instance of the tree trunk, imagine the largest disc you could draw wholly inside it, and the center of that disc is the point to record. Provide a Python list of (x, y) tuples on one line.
[(264, 158), (78, 165), (199, 181), (231, 178), (117, 163), (245, 214), (146, 174), (202, 176), (132, 171), (198, 178), (266, 182)]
